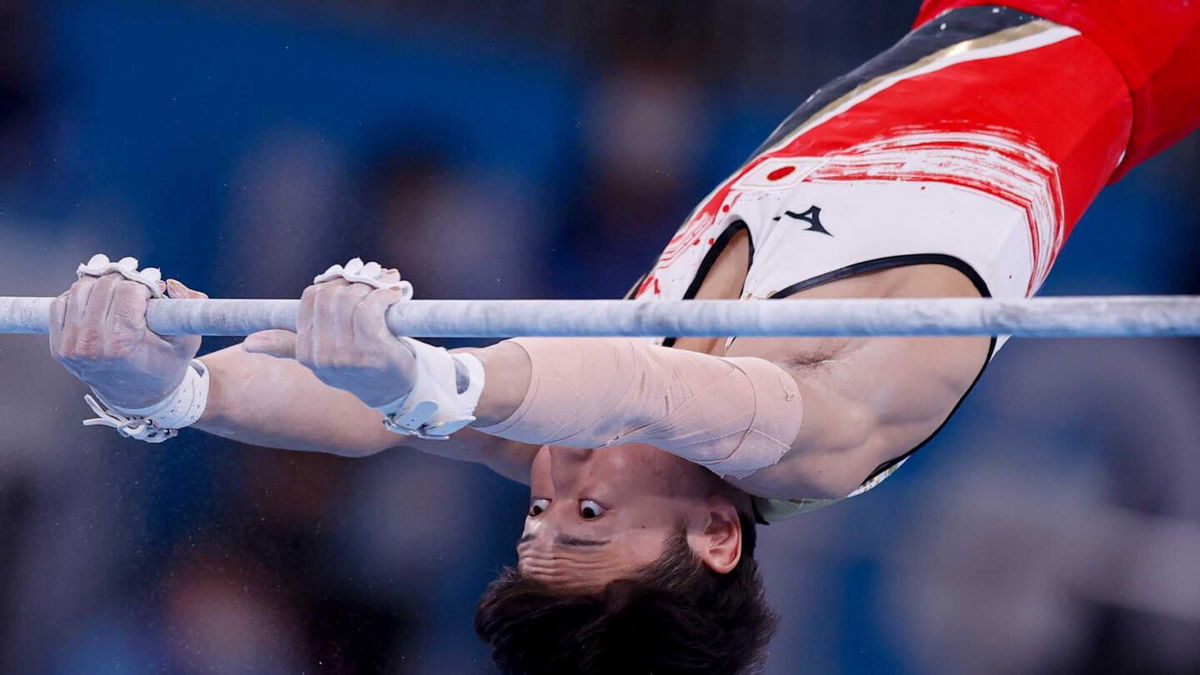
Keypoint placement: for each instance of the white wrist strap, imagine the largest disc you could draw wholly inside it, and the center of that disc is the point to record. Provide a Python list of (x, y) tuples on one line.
[(161, 421), (444, 395)]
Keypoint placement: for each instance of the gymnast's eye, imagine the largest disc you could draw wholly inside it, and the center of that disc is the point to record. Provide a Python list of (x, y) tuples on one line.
[(537, 506), (590, 510)]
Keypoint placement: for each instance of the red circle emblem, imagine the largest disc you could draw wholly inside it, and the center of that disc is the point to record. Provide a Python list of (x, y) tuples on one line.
[(781, 172)]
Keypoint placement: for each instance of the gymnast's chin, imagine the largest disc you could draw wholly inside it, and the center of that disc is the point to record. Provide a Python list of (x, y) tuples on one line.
[(632, 560)]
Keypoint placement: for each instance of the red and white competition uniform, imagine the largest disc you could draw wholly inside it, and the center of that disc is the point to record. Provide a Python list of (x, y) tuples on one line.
[(976, 142), (1154, 43)]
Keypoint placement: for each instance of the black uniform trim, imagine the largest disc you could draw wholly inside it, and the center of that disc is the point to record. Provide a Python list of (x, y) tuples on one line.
[(967, 23), (889, 262), (710, 259)]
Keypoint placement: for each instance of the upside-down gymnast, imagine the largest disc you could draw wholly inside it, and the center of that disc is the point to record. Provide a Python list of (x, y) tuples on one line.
[(953, 164)]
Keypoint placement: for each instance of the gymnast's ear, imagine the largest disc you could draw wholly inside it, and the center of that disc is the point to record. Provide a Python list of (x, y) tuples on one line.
[(278, 343), (719, 546)]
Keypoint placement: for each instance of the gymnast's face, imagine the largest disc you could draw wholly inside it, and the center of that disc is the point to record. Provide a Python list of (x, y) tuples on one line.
[(599, 515)]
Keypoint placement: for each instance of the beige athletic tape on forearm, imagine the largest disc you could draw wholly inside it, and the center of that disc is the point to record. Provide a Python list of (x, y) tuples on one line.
[(732, 415)]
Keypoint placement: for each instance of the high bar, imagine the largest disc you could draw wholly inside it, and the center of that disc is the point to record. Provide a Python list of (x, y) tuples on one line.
[(1079, 316)]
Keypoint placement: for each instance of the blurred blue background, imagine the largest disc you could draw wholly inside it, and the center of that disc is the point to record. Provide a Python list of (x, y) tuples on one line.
[(528, 149)]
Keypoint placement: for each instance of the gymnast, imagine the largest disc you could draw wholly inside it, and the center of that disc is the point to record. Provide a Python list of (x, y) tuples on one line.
[(953, 164)]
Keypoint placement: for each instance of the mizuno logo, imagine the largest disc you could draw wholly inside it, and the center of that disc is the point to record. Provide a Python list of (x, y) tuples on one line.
[(812, 216)]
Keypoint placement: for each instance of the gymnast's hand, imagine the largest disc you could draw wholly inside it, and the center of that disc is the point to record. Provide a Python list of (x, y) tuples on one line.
[(342, 337), (98, 332)]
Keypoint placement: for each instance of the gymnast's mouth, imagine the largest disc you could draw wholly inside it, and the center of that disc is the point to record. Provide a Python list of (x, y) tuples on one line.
[(572, 564)]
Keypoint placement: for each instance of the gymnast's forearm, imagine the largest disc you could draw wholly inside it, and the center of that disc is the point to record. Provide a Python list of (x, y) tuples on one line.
[(278, 403)]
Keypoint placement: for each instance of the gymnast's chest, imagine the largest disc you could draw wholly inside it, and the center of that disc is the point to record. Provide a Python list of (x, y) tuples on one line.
[(719, 274), (698, 254), (712, 255)]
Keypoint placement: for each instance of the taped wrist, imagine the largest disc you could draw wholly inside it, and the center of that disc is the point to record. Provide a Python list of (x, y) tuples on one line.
[(732, 415)]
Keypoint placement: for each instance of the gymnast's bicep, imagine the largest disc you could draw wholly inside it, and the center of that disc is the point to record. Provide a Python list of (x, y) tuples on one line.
[(866, 401)]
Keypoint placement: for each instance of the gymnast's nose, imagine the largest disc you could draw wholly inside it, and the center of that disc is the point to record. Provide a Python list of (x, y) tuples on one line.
[(567, 467)]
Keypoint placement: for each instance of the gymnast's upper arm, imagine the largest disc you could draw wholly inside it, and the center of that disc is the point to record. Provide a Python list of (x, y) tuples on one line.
[(866, 400)]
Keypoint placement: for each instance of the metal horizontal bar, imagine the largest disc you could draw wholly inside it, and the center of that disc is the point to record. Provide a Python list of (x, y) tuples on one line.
[(1095, 316)]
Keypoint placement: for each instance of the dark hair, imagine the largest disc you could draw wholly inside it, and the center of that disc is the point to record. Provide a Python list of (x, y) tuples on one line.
[(675, 616)]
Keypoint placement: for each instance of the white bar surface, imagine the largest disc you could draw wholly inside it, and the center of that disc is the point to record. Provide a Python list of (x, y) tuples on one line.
[(1088, 316)]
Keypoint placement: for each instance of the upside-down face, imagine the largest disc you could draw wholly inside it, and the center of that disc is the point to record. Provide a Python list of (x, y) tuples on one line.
[(600, 515)]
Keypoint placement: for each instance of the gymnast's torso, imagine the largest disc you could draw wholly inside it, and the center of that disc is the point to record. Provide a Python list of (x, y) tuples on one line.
[(903, 167)]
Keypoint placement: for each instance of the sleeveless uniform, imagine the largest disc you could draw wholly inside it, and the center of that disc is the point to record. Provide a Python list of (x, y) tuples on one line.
[(976, 142)]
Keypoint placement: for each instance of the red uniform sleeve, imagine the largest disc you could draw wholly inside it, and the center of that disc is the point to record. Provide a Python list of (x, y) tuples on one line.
[(1154, 43)]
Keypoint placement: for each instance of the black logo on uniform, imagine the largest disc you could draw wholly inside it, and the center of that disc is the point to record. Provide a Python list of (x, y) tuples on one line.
[(812, 216)]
